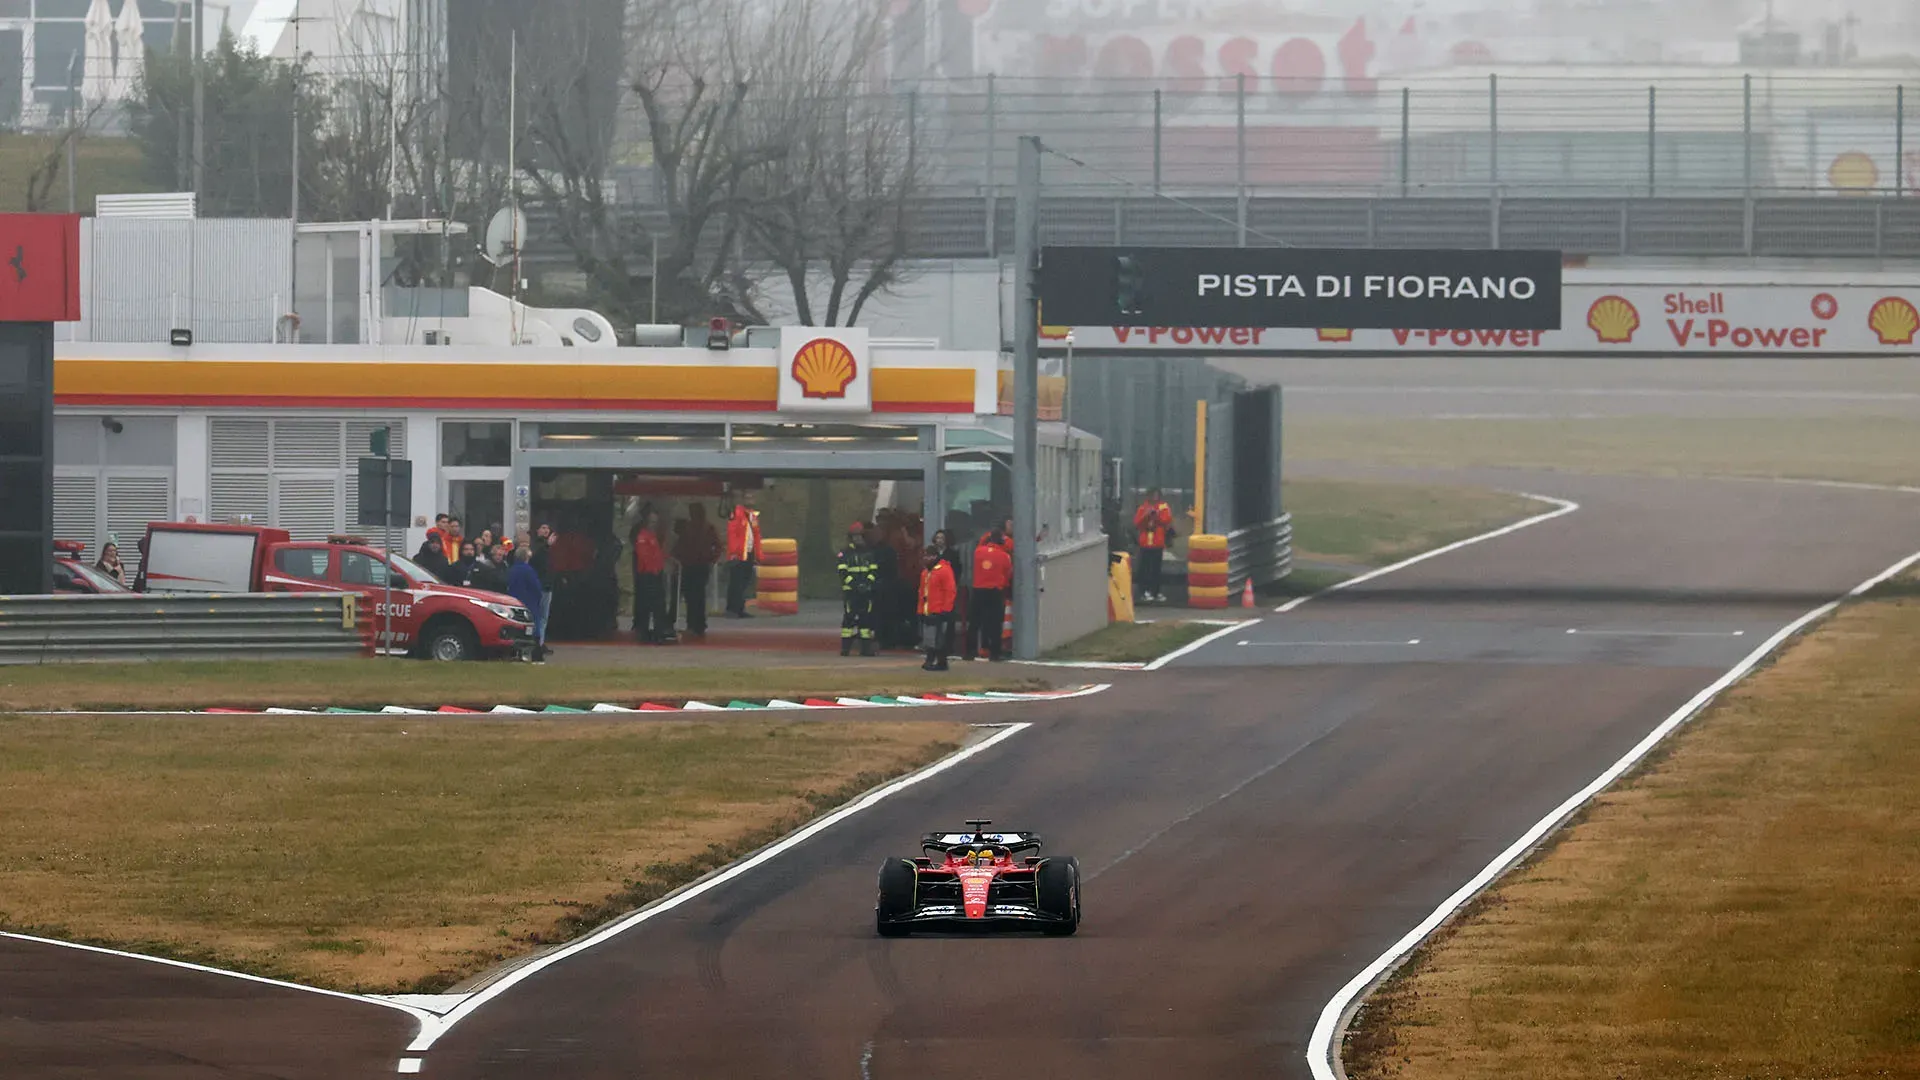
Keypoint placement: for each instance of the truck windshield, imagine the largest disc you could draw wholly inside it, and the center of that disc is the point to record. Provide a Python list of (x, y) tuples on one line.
[(361, 568)]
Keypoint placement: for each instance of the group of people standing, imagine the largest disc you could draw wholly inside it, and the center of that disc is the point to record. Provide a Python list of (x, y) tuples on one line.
[(868, 564), (520, 567), (697, 549)]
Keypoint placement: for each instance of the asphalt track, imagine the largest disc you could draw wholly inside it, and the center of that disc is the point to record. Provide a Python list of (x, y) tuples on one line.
[(1256, 822)]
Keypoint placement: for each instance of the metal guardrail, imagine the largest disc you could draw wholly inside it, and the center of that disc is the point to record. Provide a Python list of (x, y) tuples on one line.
[(69, 629), (1263, 553)]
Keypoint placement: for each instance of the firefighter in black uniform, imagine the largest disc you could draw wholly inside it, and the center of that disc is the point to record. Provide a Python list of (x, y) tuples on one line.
[(858, 585)]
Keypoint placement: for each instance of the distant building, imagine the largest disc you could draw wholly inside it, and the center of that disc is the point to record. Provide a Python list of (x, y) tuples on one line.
[(54, 53)]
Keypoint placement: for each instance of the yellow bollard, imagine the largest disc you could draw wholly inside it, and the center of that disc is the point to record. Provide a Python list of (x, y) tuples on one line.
[(1120, 589)]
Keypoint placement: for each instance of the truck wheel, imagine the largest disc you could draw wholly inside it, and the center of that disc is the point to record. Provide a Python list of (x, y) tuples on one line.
[(452, 640), (1057, 893), (898, 883)]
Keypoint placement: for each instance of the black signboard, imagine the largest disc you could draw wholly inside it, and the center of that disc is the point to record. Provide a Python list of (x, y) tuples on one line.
[(26, 458), (1357, 289), (398, 482)]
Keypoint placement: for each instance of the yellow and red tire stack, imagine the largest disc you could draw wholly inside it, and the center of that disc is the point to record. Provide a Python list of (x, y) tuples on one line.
[(1207, 571), (779, 577)]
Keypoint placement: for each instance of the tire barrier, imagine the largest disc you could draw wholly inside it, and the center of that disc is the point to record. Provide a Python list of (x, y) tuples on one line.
[(1207, 571), (778, 575)]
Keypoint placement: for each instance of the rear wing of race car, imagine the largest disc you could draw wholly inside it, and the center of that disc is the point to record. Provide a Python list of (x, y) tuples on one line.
[(1014, 841)]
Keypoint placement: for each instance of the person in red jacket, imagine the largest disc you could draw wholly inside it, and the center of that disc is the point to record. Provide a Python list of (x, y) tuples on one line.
[(986, 612), (696, 550), (650, 626), (743, 551), (937, 593), (1153, 526)]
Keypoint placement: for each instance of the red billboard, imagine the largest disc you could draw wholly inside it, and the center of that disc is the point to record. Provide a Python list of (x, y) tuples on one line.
[(39, 268)]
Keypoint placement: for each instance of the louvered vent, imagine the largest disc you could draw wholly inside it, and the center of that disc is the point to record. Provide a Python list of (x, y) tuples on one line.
[(308, 509), (306, 444), (237, 444), (239, 500), (76, 510), (134, 502)]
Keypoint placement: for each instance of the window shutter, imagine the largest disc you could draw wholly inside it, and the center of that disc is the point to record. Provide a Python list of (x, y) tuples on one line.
[(306, 444), (307, 507), (76, 510), (239, 500), (133, 503), (237, 444)]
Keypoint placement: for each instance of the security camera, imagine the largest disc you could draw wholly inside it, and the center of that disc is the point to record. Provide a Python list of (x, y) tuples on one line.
[(112, 425)]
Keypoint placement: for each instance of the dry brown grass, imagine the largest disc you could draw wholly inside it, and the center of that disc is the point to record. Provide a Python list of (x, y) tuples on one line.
[(1869, 449), (398, 852), (365, 684), (1748, 906)]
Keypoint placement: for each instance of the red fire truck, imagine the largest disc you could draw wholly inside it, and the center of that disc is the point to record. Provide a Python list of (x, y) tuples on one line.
[(429, 619)]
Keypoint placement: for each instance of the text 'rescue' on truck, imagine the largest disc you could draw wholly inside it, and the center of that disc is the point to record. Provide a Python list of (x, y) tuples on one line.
[(444, 622)]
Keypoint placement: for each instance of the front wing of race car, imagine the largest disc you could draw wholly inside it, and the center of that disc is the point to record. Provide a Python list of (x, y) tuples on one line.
[(1010, 899), (1017, 898)]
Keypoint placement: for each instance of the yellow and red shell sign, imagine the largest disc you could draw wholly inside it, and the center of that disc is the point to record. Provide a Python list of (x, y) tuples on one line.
[(824, 368), (1894, 321), (1613, 319)]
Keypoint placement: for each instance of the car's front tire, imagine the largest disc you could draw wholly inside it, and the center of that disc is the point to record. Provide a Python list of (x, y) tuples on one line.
[(1057, 894), (898, 884), (450, 639)]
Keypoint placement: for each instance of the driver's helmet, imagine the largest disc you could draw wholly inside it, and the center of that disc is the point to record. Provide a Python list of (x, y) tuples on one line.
[(983, 857)]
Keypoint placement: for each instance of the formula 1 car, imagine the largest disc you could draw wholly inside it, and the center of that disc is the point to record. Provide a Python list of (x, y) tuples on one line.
[(979, 879)]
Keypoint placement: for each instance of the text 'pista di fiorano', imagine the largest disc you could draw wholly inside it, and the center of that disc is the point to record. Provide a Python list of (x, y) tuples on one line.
[(1369, 286)]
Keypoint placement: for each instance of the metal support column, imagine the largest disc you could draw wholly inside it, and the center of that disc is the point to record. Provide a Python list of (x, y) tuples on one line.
[(1899, 141), (1652, 144), (1158, 116), (1746, 167), (1026, 403), (1240, 152), (1493, 131), (1406, 139)]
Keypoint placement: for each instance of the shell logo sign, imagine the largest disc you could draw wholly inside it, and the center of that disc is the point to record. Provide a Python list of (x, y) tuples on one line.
[(1613, 319), (1894, 321), (1328, 334), (825, 369)]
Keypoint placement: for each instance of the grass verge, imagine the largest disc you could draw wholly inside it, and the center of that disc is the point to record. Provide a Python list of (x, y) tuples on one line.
[(1344, 527), (363, 684), (1133, 643), (386, 854), (1746, 905), (1865, 449)]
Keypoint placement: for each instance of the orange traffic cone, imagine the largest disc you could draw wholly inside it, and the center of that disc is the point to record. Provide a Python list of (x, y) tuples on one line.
[(1246, 595)]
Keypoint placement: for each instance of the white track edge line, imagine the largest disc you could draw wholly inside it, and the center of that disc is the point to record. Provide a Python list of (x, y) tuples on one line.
[(1322, 1046), (431, 1030), (418, 1014), (1201, 643), (1565, 507)]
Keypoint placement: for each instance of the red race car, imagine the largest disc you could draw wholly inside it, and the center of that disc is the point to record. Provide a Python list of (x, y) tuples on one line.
[(979, 879)]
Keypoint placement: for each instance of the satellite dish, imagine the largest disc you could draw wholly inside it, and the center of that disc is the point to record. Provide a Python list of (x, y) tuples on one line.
[(507, 231)]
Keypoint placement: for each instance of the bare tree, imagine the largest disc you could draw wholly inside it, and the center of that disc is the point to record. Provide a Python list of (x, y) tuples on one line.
[(52, 165), (688, 80), (830, 213)]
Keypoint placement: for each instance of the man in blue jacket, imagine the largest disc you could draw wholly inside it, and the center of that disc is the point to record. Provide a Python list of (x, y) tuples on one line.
[(523, 584)]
